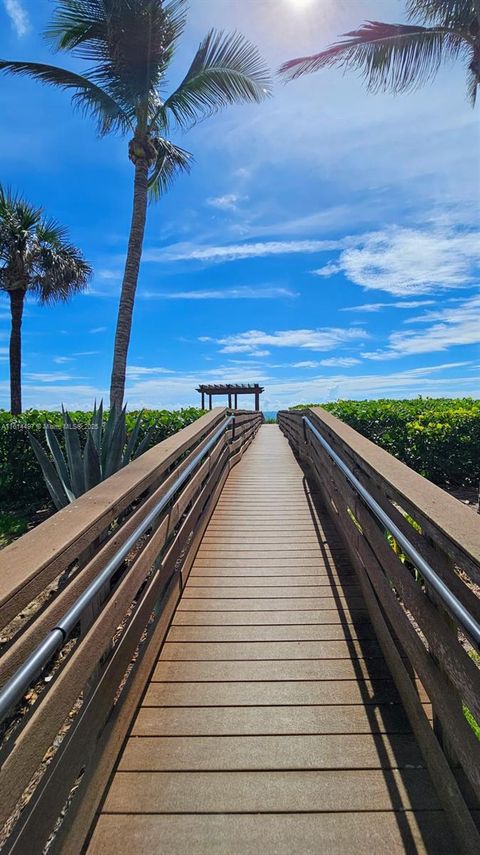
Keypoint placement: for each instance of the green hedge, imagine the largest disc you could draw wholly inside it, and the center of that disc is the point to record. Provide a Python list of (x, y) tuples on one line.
[(438, 437), (22, 488)]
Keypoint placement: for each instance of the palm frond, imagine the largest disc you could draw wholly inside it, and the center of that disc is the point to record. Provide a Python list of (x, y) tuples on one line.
[(87, 96), (129, 42), (393, 57), (454, 14), (226, 69), (472, 87), (171, 160)]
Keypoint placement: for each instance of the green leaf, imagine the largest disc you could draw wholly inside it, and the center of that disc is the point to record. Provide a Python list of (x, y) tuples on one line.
[(393, 57), (59, 461), (54, 485), (91, 463), (88, 97), (171, 160), (116, 443), (74, 455), (226, 69), (132, 441)]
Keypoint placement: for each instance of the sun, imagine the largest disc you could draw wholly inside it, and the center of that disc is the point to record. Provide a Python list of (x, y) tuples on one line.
[(300, 4)]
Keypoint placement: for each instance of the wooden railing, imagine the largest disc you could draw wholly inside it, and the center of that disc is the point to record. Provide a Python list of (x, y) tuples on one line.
[(62, 736), (423, 634)]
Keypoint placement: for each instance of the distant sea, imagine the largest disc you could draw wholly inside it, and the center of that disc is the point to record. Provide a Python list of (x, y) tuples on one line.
[(270, 414)]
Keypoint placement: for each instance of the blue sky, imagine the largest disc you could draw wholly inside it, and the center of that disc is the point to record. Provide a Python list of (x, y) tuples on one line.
[(325, 243)]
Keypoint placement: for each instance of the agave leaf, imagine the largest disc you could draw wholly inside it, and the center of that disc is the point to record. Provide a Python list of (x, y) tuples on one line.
[(144, 444), (53, 482), (74, 455), (132, 441), (59, 460), (116, 443), (91, 463), (97, 425), (109, 428)]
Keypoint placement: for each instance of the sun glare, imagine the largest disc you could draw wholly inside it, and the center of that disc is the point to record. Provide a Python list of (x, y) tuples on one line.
[(300, 4)]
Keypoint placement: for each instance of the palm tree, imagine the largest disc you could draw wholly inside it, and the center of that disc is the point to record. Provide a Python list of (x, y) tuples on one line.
[(400, 57), (130, 44), (35, 258)]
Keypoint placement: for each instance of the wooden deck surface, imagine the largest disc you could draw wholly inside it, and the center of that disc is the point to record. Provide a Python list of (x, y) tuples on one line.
[(270, 722)]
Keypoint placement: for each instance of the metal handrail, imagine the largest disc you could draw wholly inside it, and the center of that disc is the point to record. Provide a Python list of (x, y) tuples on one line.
[(15, 687), (452, 603)]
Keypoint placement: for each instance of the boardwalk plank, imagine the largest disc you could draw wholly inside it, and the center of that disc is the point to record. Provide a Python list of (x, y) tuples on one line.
[(256, 753), (309, 834), (238, 792), (295, 692), (270, 650), (271, 618), (223, 721)]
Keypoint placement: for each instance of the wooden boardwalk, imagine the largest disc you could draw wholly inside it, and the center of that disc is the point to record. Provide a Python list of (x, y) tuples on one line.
[(270, 722)]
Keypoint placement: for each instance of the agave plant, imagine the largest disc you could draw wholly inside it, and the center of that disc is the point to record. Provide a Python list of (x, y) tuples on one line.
[(107, 449)]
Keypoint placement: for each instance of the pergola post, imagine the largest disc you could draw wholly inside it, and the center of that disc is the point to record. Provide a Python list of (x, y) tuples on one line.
[(257, 400), (209, 402), (236, 401), (229, 401), (203, 400)]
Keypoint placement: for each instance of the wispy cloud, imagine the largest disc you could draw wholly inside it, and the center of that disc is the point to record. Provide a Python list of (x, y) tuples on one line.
[(455, 325), (331, 362), (53, 377), (228, 202), (135, 371), (96, 330), (244, 292), (407, 261), (63, 360), (376, 307), (18, 16), (236, 251), (308, 339)]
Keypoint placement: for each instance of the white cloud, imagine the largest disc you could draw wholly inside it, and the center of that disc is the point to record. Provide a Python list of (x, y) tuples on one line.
[(376, 307), (233, 252), (63, 360), (228, 202), (319, 339), (96, 330), (53, 377), (408, 261), (134, 371), (456, 325), (339, 362), (18, 16), (243, 292), (331, 362)]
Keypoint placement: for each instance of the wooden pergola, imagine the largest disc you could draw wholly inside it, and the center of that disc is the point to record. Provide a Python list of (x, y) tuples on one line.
[(233, 390)]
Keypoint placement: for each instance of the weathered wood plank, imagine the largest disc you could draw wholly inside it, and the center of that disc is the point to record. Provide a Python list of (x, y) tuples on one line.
[(237, 792), (271, 670), (295, 692), (271, 650), (257, 753), (365, 833), (271, 618), (321, 632), (223, 721)]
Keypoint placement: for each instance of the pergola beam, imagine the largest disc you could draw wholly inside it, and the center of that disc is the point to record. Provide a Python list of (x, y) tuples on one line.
[(233, 390)]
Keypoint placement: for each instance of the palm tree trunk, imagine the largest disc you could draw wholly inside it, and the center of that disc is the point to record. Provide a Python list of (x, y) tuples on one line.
[(17, 297), (129, 284)]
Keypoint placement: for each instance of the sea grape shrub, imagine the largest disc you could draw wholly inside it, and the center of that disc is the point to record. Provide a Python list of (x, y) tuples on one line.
[(438, 437), (22, 487)]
